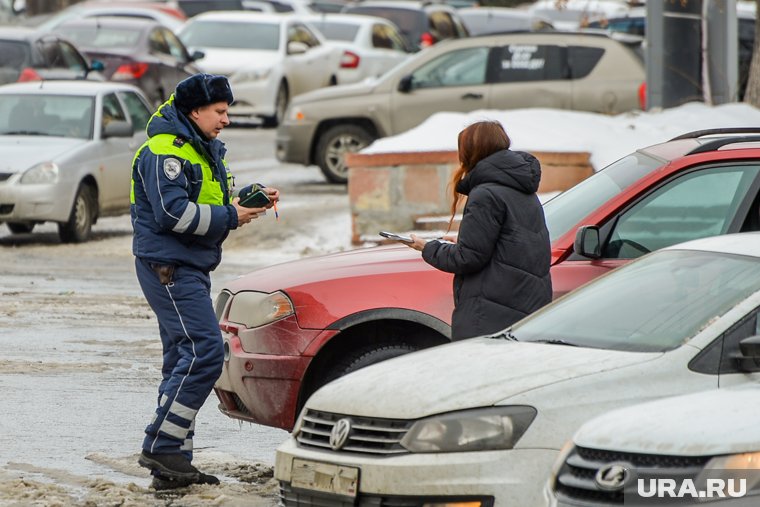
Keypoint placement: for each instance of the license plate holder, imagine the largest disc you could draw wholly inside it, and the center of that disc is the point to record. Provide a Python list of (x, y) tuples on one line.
[(325, 477)]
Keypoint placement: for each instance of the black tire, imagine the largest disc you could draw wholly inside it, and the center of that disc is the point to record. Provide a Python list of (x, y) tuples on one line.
[(20, 227), (281, 102), (79, 225), (334, 144), (367, 356)]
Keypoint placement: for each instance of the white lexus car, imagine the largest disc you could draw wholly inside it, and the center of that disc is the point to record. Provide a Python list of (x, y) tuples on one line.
[(269, 58), (482, 420)]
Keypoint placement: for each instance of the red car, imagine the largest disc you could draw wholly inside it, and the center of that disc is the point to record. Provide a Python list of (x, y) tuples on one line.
[(290, 328)]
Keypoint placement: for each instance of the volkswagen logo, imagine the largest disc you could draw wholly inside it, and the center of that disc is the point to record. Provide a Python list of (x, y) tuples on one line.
[(612, 477), (339, 434)]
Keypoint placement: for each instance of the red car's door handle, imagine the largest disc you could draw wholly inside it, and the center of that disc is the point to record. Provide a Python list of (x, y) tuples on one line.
[(471, 95)]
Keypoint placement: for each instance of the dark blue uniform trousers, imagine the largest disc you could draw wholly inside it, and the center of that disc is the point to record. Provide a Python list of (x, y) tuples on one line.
[(193, 354)]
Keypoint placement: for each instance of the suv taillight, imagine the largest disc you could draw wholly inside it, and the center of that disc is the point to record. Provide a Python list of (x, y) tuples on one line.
[(643, 96), (29, 74), (426, 39), (349, 60), (130, 71)]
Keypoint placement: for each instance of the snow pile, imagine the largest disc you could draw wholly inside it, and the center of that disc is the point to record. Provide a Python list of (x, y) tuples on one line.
[(607, 138)]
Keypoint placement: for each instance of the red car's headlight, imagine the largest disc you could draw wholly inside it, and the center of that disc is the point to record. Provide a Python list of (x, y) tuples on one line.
[(254, 309)]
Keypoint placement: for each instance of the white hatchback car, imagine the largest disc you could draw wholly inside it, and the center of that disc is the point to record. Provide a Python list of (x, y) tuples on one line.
[(268, 58), (712, 435), (67, 150), (371, 45), (482, 420)]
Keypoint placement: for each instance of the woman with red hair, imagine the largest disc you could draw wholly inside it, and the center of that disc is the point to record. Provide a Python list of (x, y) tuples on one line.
[(502, 255)]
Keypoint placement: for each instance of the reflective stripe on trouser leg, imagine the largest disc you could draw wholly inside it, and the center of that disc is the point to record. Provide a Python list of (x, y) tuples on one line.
[(193, 353)]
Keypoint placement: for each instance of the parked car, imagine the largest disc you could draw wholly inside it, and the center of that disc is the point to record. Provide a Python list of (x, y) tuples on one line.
[(67, 153), (269, 58), (141, 52), (421, 23), (161, 12), (293, 327), (575, 14), (371, 46), (482, 420), (30, 55), (582, 72), (712, 434), (491, 20)]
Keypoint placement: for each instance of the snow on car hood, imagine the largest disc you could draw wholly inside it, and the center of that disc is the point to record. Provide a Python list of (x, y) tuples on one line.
[(22, 152), (229, 61), (720, 421), (473, 373), (310, 270)]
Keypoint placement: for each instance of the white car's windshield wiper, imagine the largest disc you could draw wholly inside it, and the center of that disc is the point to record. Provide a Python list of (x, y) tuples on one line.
[(504, 335), (555, 342), (25, 133)]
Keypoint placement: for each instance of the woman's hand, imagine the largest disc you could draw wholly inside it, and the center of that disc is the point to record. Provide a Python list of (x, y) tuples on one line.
[(417, 242)]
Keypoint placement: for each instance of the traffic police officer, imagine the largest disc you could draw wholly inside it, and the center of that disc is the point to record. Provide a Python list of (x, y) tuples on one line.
[(182, 210)]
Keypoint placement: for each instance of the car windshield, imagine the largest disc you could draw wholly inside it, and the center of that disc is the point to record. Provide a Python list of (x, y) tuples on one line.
[(95, 36), (230, 35), (618, 312), (46, 115), (567, 209), (337, 31)]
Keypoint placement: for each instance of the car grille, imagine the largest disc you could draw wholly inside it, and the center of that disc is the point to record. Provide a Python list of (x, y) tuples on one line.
[(297, 498), (367, 436), (575, 480), (221, 302)]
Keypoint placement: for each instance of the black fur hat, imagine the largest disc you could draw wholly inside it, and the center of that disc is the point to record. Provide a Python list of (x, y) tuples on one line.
[(201, 90)]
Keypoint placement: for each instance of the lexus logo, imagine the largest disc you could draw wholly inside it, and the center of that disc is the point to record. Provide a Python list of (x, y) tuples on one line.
[(339, 434), (612, 477)]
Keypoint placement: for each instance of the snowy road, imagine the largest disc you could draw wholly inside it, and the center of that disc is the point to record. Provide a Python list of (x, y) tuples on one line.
[(80, 351)]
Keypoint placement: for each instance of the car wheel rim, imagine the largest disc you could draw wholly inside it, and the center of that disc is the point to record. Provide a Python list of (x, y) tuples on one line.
[(80, 214), (337, 150)]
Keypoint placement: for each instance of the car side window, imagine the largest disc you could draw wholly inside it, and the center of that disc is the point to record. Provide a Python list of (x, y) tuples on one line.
[(696, 205), (582, 60), (730, 355), (529, 62), (71, 57), (176, 48), (51, 54), (136, 109), (464, 67), (112, 109), (157, 43), (299, 33), (442, 24), (386, 37)]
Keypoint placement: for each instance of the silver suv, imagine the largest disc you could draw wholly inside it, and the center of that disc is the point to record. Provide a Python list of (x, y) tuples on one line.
[(584, 72)]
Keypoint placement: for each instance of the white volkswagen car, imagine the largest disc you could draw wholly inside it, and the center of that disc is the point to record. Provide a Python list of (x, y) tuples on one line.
[(269, 58), (696, 441), (482, 420), (67, 150), (371, 45)]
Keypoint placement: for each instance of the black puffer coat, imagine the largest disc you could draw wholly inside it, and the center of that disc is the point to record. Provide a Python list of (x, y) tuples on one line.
[(502, 255)]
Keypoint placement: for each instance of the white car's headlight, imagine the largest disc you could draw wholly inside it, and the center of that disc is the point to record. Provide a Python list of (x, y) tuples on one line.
[(482, 429), (738, 467), (250, 75), (254, 309), (46, 172)]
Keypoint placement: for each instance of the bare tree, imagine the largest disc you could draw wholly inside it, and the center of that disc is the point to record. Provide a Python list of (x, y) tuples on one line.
[(34, 7), (752, 95)]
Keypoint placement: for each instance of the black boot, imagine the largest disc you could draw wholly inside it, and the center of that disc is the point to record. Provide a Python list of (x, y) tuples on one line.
[(161, 483), (170, 466)]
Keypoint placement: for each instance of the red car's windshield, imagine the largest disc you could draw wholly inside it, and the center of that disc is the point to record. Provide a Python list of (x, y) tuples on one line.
[(567, 209)]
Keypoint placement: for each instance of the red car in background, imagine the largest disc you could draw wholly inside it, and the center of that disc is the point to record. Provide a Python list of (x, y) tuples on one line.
[(289, 329)]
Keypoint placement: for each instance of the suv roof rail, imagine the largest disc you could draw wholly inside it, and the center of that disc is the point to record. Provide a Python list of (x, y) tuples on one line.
[(723, 141), (723, 130)]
